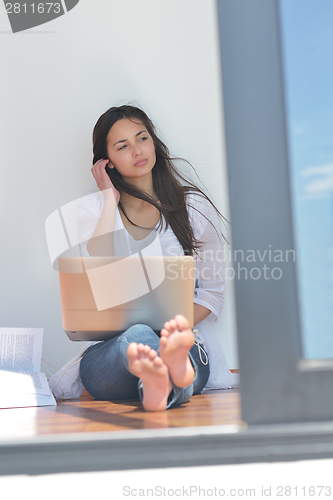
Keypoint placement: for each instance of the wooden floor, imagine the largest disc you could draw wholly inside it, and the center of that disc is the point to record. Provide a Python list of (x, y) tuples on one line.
[(87, 415)]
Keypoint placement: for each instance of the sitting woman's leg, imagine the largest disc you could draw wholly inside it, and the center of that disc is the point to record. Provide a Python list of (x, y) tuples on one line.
[(128, 366), (186, 364), (104, 366), (188, 375), (155, 383), (175, 343)]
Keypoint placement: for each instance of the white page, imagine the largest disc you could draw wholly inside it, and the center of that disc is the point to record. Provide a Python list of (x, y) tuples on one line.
[(21, 348), (20, 389), (26, 400), (23, 383)]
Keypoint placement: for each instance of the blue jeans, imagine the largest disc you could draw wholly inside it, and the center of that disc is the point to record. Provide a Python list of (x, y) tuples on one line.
[(105, 374)]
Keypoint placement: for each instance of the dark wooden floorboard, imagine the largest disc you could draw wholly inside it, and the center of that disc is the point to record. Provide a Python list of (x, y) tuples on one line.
[(88, 415)]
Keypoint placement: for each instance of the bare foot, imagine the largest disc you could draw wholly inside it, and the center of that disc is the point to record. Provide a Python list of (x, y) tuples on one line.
[(175, 342), (147, 365)]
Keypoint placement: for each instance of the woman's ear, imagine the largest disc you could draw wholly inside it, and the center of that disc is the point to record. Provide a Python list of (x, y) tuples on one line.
[(110, 165)]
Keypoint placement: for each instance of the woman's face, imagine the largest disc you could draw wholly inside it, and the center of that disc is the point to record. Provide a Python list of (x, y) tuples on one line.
[(130, 149)]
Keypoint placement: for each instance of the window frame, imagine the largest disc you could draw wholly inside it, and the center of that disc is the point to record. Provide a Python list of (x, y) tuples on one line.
[(277, 384)]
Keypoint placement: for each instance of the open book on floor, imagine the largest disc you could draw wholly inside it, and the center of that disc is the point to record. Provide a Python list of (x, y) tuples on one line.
[(21, 382)]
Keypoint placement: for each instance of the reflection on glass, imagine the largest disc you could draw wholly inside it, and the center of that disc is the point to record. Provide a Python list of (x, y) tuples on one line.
[(307, 40)]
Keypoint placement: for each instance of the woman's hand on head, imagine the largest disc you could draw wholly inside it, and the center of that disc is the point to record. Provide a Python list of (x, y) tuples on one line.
[(103, 181)]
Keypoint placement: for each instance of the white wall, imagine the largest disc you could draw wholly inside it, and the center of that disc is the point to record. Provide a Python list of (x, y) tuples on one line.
[(56, 81)]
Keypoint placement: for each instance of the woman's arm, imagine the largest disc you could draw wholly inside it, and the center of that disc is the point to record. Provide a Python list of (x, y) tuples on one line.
[(210, 262), (101, 241), (200, 313)]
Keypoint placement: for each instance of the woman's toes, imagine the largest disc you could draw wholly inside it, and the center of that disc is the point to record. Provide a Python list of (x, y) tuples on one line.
[(181, 322), (132, 350), (164, 333), (173, 325), (166, 326), (158, 363), (146, 350), (152, 354), (163, 341), (141, 350)]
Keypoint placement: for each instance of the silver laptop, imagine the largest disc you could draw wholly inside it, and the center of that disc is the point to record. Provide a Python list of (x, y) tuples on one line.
[(103, 296)]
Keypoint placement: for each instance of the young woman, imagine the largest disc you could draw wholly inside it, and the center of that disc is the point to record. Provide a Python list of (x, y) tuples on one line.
[(141, 192)]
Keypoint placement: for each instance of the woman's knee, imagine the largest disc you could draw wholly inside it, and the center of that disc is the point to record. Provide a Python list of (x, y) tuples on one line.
[(141, 334)]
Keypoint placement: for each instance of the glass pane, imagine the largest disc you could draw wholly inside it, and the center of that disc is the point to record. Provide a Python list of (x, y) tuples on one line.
[(307, 40)]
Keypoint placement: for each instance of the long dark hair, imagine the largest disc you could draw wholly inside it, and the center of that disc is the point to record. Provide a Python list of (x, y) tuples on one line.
[(166, 178)]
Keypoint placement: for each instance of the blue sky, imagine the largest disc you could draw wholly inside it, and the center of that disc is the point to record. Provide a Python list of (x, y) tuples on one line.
[(307, 39)]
